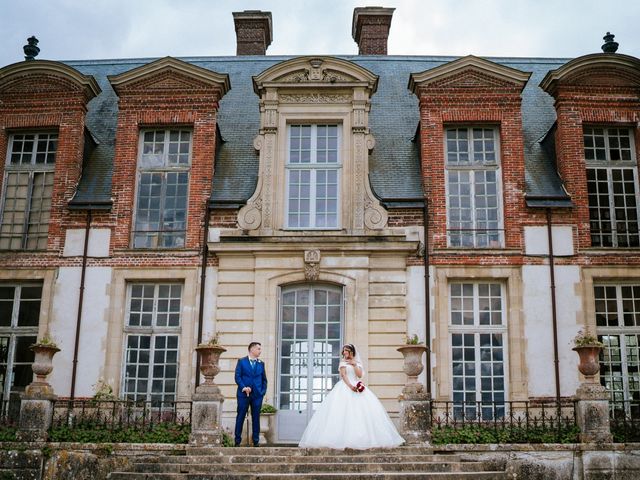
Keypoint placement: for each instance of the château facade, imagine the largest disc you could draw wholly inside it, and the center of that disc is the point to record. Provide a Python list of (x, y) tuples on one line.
[(301, 201)]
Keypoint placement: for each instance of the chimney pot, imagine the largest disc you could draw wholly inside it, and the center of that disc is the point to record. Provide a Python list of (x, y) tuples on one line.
[(253, 32), (370, 29)]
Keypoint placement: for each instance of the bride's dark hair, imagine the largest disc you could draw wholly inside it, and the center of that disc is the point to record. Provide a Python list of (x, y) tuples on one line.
[(350, 347)]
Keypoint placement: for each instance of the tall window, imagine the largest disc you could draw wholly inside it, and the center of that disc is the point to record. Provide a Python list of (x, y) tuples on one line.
[(152, 330), (618, 327), (28, 185), (612, 183), (478, 338), (313, 176), (473, 184), (19, 318), (163, 185)]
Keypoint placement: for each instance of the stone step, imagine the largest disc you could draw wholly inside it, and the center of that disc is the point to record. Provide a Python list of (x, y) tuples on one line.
[(313, 476), (346, 468), (297, 451), (236, 459)]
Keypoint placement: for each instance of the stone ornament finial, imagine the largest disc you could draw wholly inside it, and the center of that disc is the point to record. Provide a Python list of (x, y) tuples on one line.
[(31, 49), (609, 45)]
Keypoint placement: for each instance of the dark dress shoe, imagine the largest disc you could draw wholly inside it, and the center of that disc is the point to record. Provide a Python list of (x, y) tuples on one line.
[(236, 444), (256, 444)]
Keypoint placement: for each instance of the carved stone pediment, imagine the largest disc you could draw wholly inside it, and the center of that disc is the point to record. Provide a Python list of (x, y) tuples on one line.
[(599, 69), (313, 71), (169, 74), (469, 71), (43, 76)]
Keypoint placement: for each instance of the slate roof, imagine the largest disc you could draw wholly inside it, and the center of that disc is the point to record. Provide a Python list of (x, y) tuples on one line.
[(394, 163)]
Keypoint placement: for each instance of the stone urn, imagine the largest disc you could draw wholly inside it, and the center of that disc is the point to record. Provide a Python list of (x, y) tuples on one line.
[(413, 367), (209, 365), (42, 366), (589, 364), (267, 422)]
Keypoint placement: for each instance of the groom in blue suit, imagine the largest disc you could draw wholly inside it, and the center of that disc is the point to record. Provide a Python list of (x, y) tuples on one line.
[(252, 385)]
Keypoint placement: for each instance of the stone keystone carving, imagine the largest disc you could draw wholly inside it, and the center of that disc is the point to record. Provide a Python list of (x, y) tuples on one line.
[(311, 264)]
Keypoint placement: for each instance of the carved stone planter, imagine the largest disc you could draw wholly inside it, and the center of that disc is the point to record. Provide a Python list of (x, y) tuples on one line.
[(206, 413), (42, 367), (589, 364), (209, 365), (415, 404), (267, 422), (413, 367)]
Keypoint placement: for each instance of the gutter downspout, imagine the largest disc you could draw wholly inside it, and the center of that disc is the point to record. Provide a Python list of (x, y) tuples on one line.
[(554, 315), (427, 299), (203, 280), (80, 304)]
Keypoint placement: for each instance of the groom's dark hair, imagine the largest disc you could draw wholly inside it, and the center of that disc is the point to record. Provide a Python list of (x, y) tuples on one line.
[(253, 344)]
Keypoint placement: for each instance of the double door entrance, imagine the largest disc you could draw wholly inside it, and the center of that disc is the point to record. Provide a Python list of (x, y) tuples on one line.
[(310, 338)]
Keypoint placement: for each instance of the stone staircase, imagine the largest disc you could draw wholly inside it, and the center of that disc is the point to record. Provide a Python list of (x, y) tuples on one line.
[(296, 463)]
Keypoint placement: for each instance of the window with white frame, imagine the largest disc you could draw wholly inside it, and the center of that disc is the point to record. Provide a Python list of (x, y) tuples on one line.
[(313, 177), (28, 186), (163, 187), (474, 216), (19, 319), (152, 337), (612, 184), (617, 309), (478, 330)]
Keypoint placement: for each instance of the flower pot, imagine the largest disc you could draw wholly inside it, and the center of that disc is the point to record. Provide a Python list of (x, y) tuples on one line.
[(209, 363), (42, 366), (413, 367), (589, 364)]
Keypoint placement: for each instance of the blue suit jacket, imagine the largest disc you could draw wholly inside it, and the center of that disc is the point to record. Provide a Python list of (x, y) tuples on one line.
[(254, 377)]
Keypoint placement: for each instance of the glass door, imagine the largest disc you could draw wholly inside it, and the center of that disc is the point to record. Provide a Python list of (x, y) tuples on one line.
[(311, 319)]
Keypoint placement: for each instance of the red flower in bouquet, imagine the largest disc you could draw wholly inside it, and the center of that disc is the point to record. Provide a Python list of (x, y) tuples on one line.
[(360, 387)]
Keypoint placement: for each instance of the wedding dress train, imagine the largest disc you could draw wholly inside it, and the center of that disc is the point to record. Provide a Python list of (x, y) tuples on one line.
[(348, 419)]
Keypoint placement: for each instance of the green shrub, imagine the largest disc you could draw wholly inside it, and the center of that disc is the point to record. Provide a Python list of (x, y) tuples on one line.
[(7, 433), (489, 434), (87, 433)]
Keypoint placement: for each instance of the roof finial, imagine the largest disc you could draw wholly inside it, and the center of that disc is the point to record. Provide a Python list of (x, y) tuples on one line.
[(31, 50), (609, 45)]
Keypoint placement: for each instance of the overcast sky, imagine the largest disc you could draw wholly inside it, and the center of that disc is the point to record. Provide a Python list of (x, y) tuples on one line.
[(98, 29)]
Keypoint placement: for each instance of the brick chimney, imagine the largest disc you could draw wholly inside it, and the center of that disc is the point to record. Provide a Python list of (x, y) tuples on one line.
[(253, 32), (370, 29)]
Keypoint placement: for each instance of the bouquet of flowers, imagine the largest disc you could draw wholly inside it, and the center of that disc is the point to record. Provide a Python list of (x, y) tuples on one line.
[(360, 387)]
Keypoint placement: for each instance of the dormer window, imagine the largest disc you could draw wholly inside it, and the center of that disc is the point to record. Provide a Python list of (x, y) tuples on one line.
[(163, 186), (313, 177), (28, 187), (612, 184)]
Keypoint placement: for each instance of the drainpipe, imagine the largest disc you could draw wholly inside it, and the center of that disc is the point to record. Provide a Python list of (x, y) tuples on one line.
[(80, 303), (554, 315), (427, 299), (203, 279)]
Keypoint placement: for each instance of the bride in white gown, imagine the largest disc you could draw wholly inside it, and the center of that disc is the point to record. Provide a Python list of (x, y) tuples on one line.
[(348, 418)]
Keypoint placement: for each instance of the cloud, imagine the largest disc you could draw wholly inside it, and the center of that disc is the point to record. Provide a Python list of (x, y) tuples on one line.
[(80, 29)]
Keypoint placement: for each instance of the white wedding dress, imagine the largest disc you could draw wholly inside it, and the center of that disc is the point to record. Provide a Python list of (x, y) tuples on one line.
[(348, 419)]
